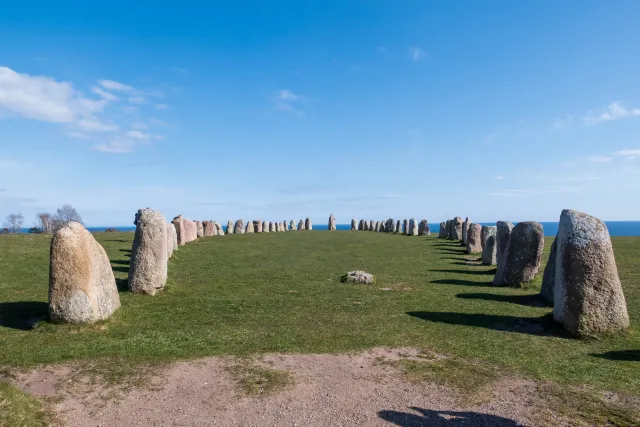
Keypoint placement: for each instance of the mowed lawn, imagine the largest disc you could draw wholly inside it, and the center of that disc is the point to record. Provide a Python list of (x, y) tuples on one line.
[(280, 292)]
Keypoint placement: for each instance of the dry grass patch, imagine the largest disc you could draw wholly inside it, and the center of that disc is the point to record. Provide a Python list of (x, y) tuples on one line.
[(257, 380)]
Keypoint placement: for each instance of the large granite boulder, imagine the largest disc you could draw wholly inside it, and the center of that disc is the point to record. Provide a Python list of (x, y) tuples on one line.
[(465, 230), (307, 224), (413, 228), (230, 227), (292, 226), (398, 227), (82, 288), (148, 265), (523, 253), (443, 230), (473, 244), (483, 235), (265, 227), (456, 228), (250, 228), (239, 227), (209, 228), (448, 229), (405, 226), (503, 233), (219, 229), (301, 225), (549, 275), (354, 224), (277, 227), (190, 230), (371, 225), (376, 226), (172, 240), (332, 223), (178, 223), (489, 250), (423, 228), (588, 298), (199, 229), (257, 226)]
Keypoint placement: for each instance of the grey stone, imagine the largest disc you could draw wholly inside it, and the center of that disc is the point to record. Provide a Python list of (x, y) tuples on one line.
[(301, 225), (148, 264), (332, 223), (250, 228), (413, 228), (473, 239), (209, 228), (588, 297), (372, 225), (359, 277), (443, 230), (549, 275), (405, 226), (307, 224), (489, 251), (199, 229), (354, 224), (423, 228), (239, 227), (292, 226), (230, 227), (178, 223), (465, 230), (219, 229), (265, 227), (456, 229), (82, 288), (523, 253), (172, 239), (398, 227), (503, 233), (190, 230)]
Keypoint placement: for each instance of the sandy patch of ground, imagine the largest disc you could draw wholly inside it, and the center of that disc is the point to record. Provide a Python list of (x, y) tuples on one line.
[(357, 389)]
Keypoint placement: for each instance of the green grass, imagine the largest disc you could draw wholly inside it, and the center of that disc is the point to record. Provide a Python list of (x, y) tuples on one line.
[(251, 294), (18, 409), (255, 380)]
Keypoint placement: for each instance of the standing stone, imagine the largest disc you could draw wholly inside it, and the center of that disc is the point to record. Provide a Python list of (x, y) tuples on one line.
[(332, 223), (361, 225), (376, 226), (456, 228), (82, 288), (250, 228), (229, 227), (465, 230), (423, 228), (292, 225), (549, 275), (169, 238), (301, 225), (490, 246), (257, 226), (172, 239), (474, 239), (148, 265), (307, 224), (413, 228), (405, 225), (265, 227), (443, 230), (588, 297), (371, 225), (276, 226), (190, 230), (199, 229), (239, 228), (447, 231), (503, 233), (354, 224), (398, 227), (483, 235), (209, 228), (178, 223), (219, 230), (523, 253), (383, 226), (285, 226)]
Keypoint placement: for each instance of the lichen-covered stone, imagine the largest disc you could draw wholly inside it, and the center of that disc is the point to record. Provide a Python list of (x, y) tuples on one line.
[(473, 239), (489, 251), (358, 276), (148, 265)]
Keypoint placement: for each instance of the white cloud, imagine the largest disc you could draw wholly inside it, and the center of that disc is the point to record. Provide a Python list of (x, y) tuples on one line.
[(162, 106), (287, 95), (117, 146), (136, 134), (499, 177), (417, 53), (116, 86), (599, 159), (76, 135), (629, 154), (95, 126), (286, 101), (104, 94), (138, 100), (563, 122), (615, 111)]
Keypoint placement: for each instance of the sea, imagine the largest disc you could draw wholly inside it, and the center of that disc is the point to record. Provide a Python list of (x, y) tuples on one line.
[(616, 228)]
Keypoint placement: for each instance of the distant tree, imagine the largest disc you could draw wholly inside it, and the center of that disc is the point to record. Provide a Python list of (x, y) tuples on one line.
[(4, 230), (64, 216), (13, 222), (44, 222), (35, 230)]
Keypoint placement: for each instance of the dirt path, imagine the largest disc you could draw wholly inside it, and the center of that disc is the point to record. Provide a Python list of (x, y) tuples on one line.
[(325, 390)]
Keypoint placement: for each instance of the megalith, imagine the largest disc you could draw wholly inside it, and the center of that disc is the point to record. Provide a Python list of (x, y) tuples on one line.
[(489, 249), (503, 232), (148, 265), (332, 223), (473, 244)]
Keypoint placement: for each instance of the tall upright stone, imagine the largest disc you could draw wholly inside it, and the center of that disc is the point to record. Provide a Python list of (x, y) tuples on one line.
[(190, 230), (257, 226), (448, 229), (219, 229), (354, 224), (376, 226), (483, 235), (239, 227), (148, 265), (230, 227), (588, 297), (82, 288), (456, 229), (549, 276), (199, 229), (503, 233), (398, 227), (292, 225), (178, 223), (523, 253), (423, 228), (265, 227), (307, 224), (465, 230), (473, 244), (413, 228), (172, 240), (489, 251), (209, 228), (405, 226), (301, 225), (332, 223), (250, 228), (372, 225), (442, 233)]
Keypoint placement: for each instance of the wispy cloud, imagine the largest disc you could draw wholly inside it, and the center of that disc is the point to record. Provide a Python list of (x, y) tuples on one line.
[(116, 86), (498, 177), (162, 107), (116, 146), (104, 94), (599, 159), (614, 111), (417, 53), (137, 100), (629, 154), (288, 101), (562, 122)]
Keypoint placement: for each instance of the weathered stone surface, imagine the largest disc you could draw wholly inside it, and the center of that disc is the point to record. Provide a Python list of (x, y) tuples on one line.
[(272, 227), (549, 275), (398, 227), (301, 225), (489, 251), (465, 230), (473, 239), (405, 226), (503, 232), (413, 228), (523, 253), (372, 225), (332, 223), (265, 227), (82, 288), (239, 227), (361, 225), (277, 227), (383, 227), (358, 276), (448, 229), (483, 235), (285, 226), (148, 264), (190, 230), (443, 230), (250, 228), (230, 227), (354, 224), (172, 239), (456, 228), (219, 229), (588, 297), (209, 228), (178, 223), (307, 224), (292, 226), (376, 226), (423, 228), (199, 229)]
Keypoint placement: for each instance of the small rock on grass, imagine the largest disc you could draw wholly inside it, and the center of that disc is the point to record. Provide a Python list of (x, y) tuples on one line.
[(358, 276)]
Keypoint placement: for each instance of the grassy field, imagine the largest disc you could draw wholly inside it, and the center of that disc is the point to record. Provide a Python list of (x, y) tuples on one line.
[(248, 294)]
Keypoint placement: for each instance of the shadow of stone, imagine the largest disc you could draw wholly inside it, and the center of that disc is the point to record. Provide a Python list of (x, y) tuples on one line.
[(458, 282), (473, 272), (23, 315), (528, 300), (620, 355), (431, 418)]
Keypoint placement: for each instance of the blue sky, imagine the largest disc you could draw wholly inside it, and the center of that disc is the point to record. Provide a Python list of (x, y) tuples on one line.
[(286, 109)]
